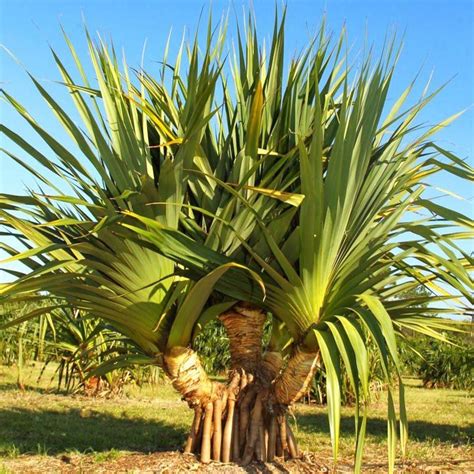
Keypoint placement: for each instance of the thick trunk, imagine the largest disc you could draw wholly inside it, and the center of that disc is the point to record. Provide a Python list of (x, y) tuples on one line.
[(294, 381), (245, 419), (189, 378), (244, 327)]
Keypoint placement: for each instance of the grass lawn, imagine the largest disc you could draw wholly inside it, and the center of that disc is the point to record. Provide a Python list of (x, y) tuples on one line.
[(39, 426)]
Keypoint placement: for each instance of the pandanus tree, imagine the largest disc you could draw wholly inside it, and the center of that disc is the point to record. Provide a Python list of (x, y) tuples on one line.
[(243, 189)]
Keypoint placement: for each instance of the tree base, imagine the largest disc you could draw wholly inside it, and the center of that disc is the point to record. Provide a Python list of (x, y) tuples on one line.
[(242, 423)]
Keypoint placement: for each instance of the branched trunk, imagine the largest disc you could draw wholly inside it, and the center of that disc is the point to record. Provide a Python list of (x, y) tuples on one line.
[(245, 419), (294, 381), (188, 376)]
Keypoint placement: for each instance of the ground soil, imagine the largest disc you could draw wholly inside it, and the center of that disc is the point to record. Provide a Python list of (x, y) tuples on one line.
[(175, 462)]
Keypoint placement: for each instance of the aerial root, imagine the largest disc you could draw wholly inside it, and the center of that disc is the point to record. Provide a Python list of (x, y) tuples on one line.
[(268, 436), (217, 434), (207, 433), (242, 424), (195, 428)]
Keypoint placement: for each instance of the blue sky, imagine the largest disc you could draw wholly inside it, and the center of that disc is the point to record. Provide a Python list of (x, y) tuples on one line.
[(438, 36)]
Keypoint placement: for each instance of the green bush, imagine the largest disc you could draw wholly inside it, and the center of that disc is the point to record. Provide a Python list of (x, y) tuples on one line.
[(212, 345), (440, 364), (26, 341)]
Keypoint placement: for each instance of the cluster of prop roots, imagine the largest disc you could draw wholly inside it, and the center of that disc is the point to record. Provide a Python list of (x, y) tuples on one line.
[(244, 422), (245, 419)]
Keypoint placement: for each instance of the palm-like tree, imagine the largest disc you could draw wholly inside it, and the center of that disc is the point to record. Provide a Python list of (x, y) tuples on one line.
[(294, 195)]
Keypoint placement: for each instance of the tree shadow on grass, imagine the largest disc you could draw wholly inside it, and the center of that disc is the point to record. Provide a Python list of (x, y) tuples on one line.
[(13, 387), (418, 430), (52, 432)]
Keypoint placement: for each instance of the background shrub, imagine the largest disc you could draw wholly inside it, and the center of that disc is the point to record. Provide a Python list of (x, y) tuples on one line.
[(440, 364)]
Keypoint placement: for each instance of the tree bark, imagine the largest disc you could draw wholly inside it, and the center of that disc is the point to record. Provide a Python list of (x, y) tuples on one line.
[(244, 327), (294, 381), (189, 378)]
